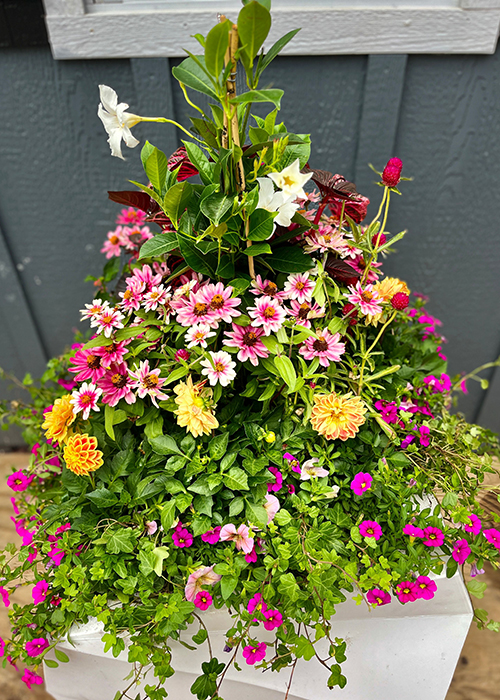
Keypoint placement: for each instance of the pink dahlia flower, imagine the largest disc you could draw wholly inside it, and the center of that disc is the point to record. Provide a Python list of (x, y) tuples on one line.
[(195, 310), (130, 215), (267, 313), (145, 275), (247, 340), (326, 347), (94, 310), (158, 296), (114, 242), (110, 320), (132, 297)]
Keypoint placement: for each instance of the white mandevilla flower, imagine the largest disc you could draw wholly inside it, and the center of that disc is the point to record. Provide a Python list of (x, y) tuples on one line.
[(291, 180), (276, 202), (117, 121)]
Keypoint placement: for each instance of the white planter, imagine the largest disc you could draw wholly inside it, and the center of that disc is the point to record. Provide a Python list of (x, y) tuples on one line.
[(394, 652)]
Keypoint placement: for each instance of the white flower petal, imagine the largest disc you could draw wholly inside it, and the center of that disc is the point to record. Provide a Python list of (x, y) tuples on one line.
[(109, 98), (115, 139)]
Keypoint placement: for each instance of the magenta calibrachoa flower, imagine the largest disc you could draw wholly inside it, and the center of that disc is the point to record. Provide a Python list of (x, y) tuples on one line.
[(326, 347), (240, 537), (413, 531), (2, 647), (273, 619), (219, 368), (461, 551), (293, 461), (31, 678), (212, 536), (433, 537), (148, 382), (407, 591), (426, 587), (204, 576), (36, 646), (255, 654), (278, 484), (367, 299), (299, 287), (370, 528), (309, 469), (181, 537), (247, 340), (39, 591), (475, 524), (85, 399), (203, 600), (493, 537), (197, 335), (267, 313), (256, 604), (4, 593), (378, 597), (19, 481), (361, 483)]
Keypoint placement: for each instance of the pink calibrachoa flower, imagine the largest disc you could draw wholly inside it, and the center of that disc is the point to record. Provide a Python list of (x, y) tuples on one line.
[(433, 537), (132, 297), (273, 619), (148, 381), (4, 593), (493, 537), (39, 591), (198, 334), (267, 313), (461, 551), (19, 481), (378, 597), (256, 604), (293, 461), (131, 216), (114, 242), (370, 528), (299, 287), (14, 505), (219, 368), (88, 365), (407, 591), (407, 441), (247, 339), (218, 300), (267, 288), (366, 299), (203, 600), (278, 484), (94, 310), (474, 571), (424, 435), (212, 536), (85, 399), (31, 678), (240, 537), (36, 646), (182, 537), (361, 483), (110, 320), (389, 411), (2, 647), (438, 385), (204, 576), (156, 297), (151, 526), (326, 347), (56, 554), (309, 469), (116, 384), (272, 506), (303, 313), (426, 587), (413, 531), (255, 654), (475, 524), (192, 311)]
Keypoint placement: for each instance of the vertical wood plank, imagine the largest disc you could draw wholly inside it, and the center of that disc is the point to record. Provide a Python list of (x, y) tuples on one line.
[(384, 84)]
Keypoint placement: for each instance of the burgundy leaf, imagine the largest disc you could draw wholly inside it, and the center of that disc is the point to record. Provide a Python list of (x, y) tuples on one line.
[(138, 200), (341, 271), (332, 186)]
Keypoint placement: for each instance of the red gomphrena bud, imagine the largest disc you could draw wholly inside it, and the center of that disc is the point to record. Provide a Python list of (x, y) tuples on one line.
[(182, 354), (353, 314), (392, 172), (378, 239), (400, 301)]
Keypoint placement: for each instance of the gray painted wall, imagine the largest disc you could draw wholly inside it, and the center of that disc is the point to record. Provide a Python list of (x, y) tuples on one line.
[(438, 113)]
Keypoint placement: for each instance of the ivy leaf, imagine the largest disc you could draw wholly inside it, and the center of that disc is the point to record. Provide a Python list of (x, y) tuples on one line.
[(288, 587), (167, 516), (122, 540), (160, 554), (217, 446)]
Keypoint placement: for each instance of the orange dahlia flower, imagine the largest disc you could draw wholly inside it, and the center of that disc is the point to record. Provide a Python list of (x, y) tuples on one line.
[(390, 286), (337, 416), (58, 420), (81, 454)]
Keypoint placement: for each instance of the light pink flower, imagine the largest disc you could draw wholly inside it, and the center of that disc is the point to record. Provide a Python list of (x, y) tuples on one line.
[(108, 321), (195, 310), (255, 654), (31, 678), (267, 313), (299, 287), (272, 506), (112, 353), (94, 310), (88, 365), (114, 243), (358, 263), (132, 297), (219, 301), (145, 275), (19, 481), (240, 537), (303, 313), (157, 296), (204, 576), (370, 528), (203, 600), (198, 334), (85, 399), (247, 339), (475, 524), (309, 469), (366, 299), (326, 347), (136, 235), (148, 382), (267, 288), (116, 384), (39, 591), (326, 238), (131, 216), (151, 526), (219, 368)]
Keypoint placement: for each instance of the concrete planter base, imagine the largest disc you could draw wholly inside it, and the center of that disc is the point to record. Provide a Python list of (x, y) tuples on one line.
[(393, 652)]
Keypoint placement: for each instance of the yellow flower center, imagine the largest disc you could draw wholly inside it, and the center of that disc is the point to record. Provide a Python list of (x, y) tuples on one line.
[(217, 302), (200, 309), (150, 381), (300, 285), (367, 296), (119, 380), (114, 240), (219, 367), (269, 312)]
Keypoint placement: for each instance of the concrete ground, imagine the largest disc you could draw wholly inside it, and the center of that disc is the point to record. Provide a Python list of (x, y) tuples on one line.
[(477, 676)]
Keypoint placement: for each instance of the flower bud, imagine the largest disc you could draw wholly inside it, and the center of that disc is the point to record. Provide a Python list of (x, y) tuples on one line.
[(182, 354), (400, 301), (378, 239), (392, 172), (270, 437)]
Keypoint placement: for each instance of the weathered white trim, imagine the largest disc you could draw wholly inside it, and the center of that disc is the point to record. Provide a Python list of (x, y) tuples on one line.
[(109, 31)]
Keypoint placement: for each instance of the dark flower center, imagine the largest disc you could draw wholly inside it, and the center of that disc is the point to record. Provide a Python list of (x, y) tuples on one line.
[(320, 345), (119, 380), (93, 361), (200, 309), (250, 338), (217, 302), (303, 311), (367, 296), (150, 381), (270, 289)]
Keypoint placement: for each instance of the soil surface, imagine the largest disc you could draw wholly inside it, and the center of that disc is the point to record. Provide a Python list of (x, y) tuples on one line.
[(477, 676)]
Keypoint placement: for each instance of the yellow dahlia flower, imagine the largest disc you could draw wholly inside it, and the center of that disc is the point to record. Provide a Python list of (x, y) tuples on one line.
[(194, 412), (386, 289), (58, 420), (337, 416), (81, 454)]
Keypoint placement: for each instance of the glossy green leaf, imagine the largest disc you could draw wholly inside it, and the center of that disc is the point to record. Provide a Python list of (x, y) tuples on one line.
[(176, 200), (273, 96), (216, 45), (254, 23), (276, 49), (215, 206), (261, 225), (258, 249), (160, 244), (290, 259), (156, 169), (191, 74), (286, 370), (236, 479)]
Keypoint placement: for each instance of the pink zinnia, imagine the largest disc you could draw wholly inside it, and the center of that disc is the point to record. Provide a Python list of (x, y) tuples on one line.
[(31, 678), (299, 287), (219, 368), (370, 528), (303, 313), (413, 531), (39, 591), (326, 347), (366, 299), (131, 216), (114, 243), (182, 538), (204, 576), (85, 399), (247, 339), (108, 321), (156, 297), (273, 619), (255, 654), (267, 313), (212, 536), (277, 485), (136, 235), (378, 597), (19, 481), (240, 537), (203, 600), (132, 297), (148, 382), (493, 537), (361, 483), (195, 310), (197, 335), (5, 596), (116, 384), (95, 309), (475, 524), (267, 288), (36, 646), (112, 353), (256, 604), (433, 537), (407, 591), (145, 275), (88, 365), (426, 587), (461, 551), (218, 300)]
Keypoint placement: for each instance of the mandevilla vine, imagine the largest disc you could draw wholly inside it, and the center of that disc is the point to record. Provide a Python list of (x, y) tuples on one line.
[(256, 416)]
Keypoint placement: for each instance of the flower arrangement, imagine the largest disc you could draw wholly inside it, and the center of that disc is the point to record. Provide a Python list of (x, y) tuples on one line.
[(257, 411)]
